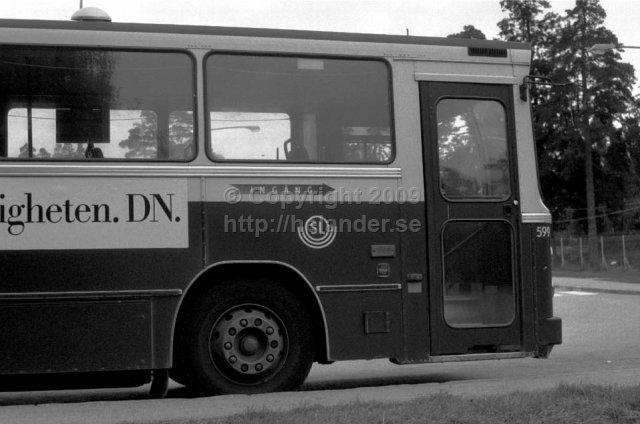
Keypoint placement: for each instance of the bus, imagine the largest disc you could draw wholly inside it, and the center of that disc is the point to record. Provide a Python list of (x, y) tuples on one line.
[(227, 206)]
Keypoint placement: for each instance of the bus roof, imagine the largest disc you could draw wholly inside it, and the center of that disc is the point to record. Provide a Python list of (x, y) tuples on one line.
[(259, 32)]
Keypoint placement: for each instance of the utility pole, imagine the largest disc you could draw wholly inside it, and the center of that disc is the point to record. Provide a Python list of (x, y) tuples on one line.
[(592, 229)]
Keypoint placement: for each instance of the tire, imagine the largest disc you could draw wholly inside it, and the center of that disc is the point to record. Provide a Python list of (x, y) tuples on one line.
[(159, 384), (178, 375), (247, 337)]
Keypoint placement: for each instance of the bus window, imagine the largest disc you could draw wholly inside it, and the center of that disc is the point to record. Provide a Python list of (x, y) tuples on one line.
[(77, 104), (275, 108)]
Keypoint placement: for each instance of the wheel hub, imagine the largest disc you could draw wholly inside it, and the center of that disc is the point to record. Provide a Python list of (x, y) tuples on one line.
[(249, 345), (249, 340)]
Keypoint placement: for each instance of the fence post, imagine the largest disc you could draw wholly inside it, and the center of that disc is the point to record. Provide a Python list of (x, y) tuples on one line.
[(581, 256), (625, 260), (603, 261), (562, 252)]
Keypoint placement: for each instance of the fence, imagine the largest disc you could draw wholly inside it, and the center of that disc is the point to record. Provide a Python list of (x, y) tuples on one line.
[(620, 251)]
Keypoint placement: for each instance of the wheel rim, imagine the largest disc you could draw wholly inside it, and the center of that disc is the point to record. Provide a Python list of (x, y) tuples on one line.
[(248, 344)]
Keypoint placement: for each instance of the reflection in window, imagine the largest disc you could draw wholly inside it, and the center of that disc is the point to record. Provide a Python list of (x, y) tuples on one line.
[(274, 108), (367, 144), (181, 142), (478, 276), (80, 104), (132, 134), (249, 135), (472, 143)]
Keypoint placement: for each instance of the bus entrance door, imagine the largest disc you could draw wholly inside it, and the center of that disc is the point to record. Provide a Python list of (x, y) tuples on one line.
[(471, 196)]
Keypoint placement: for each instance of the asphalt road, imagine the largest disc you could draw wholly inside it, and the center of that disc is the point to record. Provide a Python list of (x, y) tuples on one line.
[(601, 333), (601, 339)]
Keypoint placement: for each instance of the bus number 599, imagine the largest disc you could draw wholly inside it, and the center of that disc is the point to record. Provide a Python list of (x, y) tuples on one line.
[(543, 231)]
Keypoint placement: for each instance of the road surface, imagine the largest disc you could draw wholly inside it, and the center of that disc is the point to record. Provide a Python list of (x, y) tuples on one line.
[(601, 339)]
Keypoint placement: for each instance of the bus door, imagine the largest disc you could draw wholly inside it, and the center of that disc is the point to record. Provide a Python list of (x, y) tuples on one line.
[(472, 214)]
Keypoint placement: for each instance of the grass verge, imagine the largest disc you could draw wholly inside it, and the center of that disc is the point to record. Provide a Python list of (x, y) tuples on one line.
[(564, 404)]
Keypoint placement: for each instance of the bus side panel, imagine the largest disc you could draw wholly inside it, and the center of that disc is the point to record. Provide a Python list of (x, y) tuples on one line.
[(360, 290), (363, 325), (93, 310), (541, 330), (529, 289), (548, 327), (74, 335), (415, 286)]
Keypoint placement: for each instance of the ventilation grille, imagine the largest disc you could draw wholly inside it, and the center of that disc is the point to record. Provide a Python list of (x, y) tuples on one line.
[(481, 51)]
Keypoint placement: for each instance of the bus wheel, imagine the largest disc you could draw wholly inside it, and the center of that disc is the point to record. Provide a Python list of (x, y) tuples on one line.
[(249, 338)]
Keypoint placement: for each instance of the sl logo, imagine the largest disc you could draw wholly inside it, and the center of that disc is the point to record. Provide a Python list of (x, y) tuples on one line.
[(317, 232)]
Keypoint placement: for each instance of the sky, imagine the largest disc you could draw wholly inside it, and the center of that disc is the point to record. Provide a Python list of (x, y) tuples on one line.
[(419, 17)]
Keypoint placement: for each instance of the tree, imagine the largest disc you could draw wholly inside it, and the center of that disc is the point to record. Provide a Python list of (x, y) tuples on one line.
[(604, 94), (582, 137), (142, 142), (469, 31), (69, 151), (146, 141), (181, 135), (529, 21)]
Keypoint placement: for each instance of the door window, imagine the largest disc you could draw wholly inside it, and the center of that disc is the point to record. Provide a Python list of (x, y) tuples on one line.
[(472, 149), (478, 279)]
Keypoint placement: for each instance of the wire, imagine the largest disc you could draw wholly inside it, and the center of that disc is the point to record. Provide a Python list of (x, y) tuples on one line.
[(565, 221)]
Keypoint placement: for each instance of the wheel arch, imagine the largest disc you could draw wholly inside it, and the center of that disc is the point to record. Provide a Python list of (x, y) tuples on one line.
[(280, 273)]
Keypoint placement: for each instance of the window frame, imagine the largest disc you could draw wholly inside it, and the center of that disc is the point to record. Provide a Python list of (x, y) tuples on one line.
[(207, 123), (193, 62)]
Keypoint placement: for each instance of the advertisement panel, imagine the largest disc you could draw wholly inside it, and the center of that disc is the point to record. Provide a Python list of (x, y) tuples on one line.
[(67, 213)]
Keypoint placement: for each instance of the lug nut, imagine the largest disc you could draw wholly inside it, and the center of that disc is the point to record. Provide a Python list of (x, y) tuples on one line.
[(274, 344), (232, 331), (233, 359), (269, 330), (270, 358), (244, 367), (228, 345), (257, 322), (244, 322), (258, 367)]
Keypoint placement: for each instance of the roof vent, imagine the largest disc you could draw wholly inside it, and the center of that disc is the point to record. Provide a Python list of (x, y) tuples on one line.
[(482, 51), (91, 14)]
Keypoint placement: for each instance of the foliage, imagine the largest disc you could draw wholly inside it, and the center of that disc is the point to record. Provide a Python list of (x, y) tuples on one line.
[(469, 31), (62, 150), (143, 140)]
